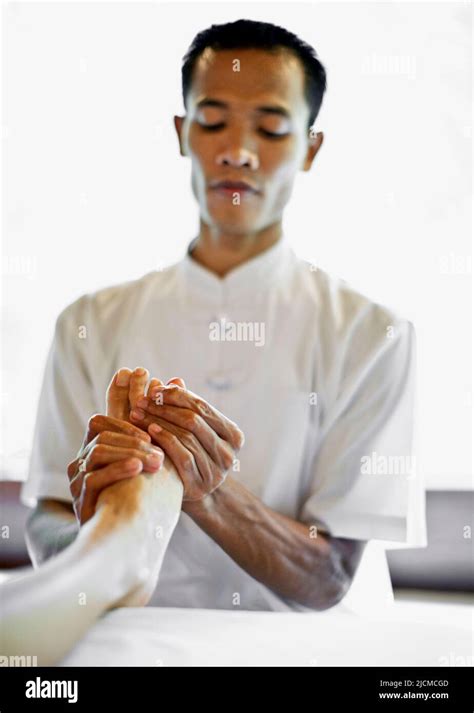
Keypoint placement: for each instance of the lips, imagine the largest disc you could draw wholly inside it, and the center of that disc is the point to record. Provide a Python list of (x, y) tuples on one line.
[(233, 186)]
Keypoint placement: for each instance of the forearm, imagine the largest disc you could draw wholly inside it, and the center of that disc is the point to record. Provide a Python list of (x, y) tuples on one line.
[(49, 531), (276, 550)]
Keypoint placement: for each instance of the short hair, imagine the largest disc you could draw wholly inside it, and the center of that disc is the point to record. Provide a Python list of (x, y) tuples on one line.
[(249, 34)]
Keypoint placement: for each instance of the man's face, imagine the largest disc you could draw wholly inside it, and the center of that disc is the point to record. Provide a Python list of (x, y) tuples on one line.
[(246, 133)]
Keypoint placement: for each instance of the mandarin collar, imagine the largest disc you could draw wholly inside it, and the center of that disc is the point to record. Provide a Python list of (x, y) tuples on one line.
[(253, 276)]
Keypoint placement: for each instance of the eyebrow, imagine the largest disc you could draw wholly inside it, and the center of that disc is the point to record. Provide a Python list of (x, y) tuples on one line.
[(268, 109), (211, 102), (276, 109)]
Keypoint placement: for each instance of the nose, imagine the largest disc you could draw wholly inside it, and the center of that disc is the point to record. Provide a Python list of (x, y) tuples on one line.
[(238, 156)]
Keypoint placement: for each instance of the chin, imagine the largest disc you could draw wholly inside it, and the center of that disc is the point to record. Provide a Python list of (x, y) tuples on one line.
[(234, 228), (236, 222)]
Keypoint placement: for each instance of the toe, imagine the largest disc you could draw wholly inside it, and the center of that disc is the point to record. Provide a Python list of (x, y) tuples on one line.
[(138, 382), (117, 395)]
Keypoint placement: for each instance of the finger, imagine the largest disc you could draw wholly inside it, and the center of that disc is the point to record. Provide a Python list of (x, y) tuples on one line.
[(108, 447), (99, 422), (96, 481), (149, 464), (75, 483), (176, 380), (117, 395), (110, 438), (175, 396), (218, 449), (199, 473), (138, 382), (185, 463), (145, 421), (152, 387), (103, 454)]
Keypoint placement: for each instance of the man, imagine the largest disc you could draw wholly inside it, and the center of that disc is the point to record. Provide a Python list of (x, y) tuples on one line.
[(317, 377)]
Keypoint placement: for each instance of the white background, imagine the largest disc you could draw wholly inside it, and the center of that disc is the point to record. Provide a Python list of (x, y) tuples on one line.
[(95, 192)]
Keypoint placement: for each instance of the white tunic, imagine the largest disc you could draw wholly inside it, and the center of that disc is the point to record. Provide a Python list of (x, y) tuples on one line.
[(318, 377)]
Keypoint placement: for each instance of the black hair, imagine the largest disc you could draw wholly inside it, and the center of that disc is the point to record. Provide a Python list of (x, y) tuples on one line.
[(249, 34)]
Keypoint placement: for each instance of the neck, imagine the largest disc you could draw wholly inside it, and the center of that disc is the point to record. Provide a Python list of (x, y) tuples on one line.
[(221, 252)]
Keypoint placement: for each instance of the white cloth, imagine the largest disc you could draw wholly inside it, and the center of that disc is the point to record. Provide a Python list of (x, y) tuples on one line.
[(198, 637), (331, 385)]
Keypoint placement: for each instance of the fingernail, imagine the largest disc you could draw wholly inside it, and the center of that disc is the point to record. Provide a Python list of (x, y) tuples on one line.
[(135, 464), (138, 414), (154, 428), (140, 371)]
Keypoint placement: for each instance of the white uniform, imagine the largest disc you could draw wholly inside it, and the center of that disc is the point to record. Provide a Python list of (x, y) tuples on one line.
[(318, 377)]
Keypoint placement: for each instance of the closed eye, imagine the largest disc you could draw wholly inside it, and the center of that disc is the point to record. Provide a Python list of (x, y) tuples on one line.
[(271, 135), (263, 132), (212, 127)]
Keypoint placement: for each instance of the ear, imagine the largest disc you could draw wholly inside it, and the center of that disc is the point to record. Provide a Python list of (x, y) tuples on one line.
[(314, 144), (178, 125)]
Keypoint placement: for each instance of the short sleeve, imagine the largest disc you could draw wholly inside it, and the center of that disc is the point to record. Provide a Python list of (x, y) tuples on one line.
[(364, 483), (67, 401)]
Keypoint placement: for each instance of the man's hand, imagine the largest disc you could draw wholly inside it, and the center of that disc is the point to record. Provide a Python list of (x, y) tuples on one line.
[(199, 440), (113, 448)]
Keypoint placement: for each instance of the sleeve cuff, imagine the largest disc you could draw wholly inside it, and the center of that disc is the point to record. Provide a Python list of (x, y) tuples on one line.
[(359, 526), (55, 486)]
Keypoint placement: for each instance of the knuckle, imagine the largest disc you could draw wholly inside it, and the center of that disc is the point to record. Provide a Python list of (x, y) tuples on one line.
[(135, 434), (169, 437), (93, 458), (203, 407), (71, 468), (189, 419), (73, 489), (88, 483), (99, 449), (94, 421), (237, 439), (228, 459), (189, 440), (187, 463), (191, 493)]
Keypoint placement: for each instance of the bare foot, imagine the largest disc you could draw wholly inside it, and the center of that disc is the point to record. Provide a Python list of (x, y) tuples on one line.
[(140, 513)]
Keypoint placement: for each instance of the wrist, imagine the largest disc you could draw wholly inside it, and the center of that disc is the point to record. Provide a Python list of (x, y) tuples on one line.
[(209, 505), (195, 508)]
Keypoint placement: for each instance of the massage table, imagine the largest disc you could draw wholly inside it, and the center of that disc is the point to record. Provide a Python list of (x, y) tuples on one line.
[(404, 634)]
